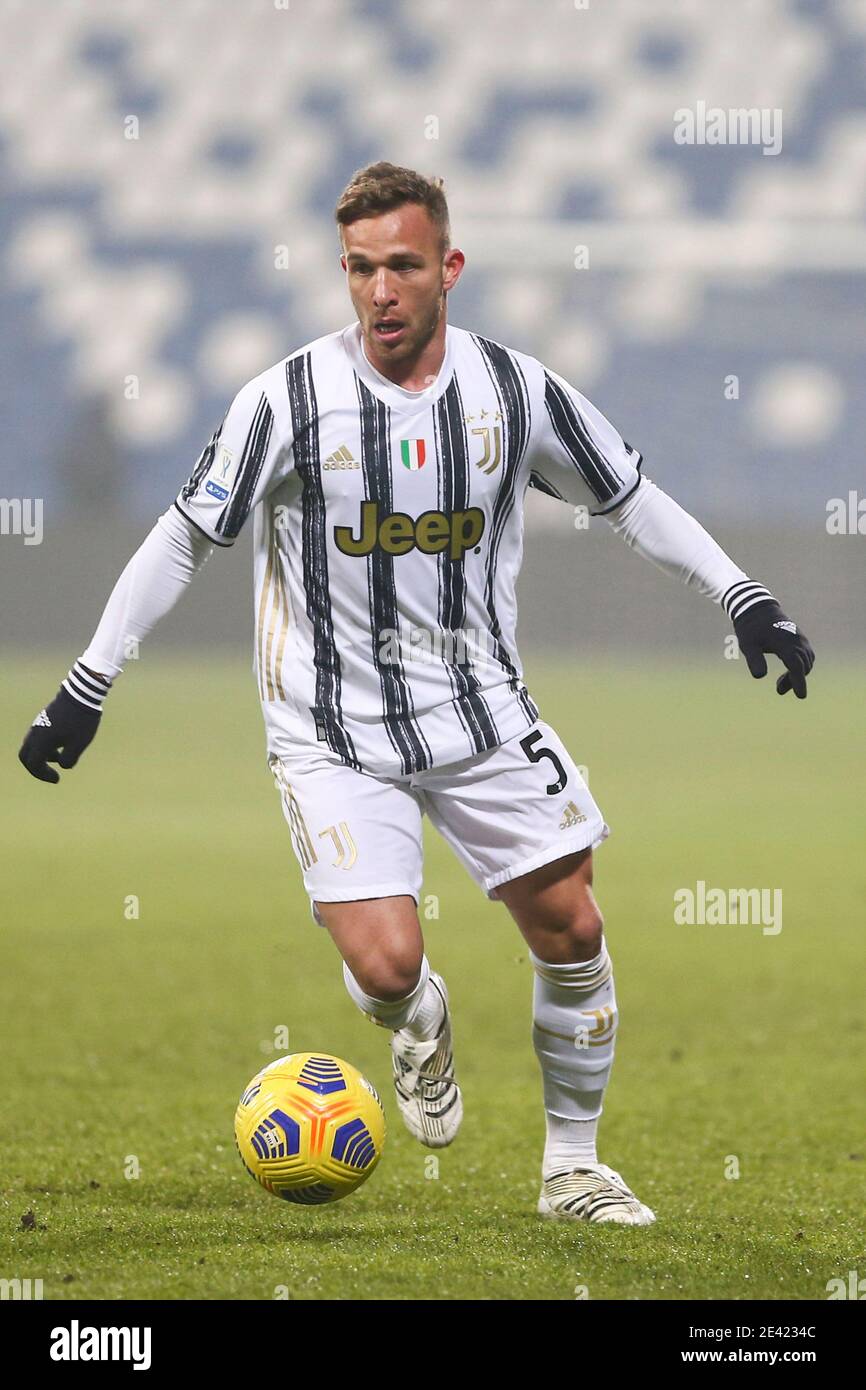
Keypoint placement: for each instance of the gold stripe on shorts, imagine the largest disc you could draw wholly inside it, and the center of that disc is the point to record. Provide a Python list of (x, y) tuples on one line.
[(301, 838)]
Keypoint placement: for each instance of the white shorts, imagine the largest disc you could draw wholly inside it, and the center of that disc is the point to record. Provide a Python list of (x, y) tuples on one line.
[(503, 812)]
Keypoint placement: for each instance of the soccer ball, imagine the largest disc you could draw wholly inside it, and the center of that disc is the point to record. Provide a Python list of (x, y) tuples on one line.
[(310, 1128)]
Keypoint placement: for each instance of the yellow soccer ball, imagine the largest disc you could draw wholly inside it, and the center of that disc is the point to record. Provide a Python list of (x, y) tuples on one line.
[(310, 1128)]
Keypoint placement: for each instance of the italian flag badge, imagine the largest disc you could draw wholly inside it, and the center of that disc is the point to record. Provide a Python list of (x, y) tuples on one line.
[(413, 453)]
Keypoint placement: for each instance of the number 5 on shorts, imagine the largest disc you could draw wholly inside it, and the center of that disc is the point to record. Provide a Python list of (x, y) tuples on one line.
[(535, 755)]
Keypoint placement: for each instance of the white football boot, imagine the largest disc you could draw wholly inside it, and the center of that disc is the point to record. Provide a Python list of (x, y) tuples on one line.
[(593, 1192), (427, 1094)]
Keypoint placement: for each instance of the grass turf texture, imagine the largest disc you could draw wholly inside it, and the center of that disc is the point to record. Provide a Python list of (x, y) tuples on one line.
[(135, 1037)]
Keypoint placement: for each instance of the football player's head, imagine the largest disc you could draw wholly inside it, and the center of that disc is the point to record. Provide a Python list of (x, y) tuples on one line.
[(398, 258)]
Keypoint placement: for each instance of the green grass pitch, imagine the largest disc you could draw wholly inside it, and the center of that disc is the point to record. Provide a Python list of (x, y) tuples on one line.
[(134, 1036)]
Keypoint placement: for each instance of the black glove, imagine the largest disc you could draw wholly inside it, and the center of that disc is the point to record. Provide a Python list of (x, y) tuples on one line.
[(62, 731), (762, 628)]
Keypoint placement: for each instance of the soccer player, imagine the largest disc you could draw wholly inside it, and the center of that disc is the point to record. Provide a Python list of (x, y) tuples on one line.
[(385, 466)]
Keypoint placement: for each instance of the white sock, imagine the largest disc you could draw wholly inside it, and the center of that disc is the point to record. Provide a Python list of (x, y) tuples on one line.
[(570, 1143), (420, 1009), (574, 1018), (428, 1018)]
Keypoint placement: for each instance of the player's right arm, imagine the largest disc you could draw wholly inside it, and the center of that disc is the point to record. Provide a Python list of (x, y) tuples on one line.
[(242, 461)]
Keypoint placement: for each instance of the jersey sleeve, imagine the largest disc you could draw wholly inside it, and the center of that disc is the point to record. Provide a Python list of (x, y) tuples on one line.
[(577, 454), (150, 586), (245, 458)]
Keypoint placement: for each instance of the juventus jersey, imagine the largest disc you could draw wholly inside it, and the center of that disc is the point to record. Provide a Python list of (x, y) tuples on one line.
[(388, 535)]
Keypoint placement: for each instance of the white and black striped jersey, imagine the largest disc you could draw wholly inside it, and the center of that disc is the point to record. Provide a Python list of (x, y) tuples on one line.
[(388, 535)]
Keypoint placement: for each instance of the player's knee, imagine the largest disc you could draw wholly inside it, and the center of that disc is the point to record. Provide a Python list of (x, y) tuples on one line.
[(580, 926), (588, 927), (390, 974)]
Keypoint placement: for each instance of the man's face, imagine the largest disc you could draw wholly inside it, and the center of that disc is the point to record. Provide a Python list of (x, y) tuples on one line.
[(398, 277)]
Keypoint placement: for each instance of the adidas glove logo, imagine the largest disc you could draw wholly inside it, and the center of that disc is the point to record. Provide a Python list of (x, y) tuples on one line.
[(787, 626), (41, 721)]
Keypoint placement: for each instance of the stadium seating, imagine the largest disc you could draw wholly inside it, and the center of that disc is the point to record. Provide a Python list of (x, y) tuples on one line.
[(170, 171)]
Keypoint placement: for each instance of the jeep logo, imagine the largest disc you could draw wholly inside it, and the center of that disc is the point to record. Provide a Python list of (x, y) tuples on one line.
[(398, 533)]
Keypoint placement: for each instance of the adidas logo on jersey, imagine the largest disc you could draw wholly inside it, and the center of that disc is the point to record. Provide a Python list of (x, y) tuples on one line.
[(398, 533), (571, 817), (341, 458), (41, 721)]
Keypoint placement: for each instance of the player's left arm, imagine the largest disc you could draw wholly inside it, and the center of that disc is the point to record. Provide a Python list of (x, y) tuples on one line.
[(655, 526), (578, 456)]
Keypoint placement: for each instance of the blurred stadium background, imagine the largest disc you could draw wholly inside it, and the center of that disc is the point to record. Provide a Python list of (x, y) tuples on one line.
[(169, 176)]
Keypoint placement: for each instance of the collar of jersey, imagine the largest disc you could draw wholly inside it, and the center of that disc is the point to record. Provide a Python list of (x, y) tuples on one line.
[(397, 397)]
